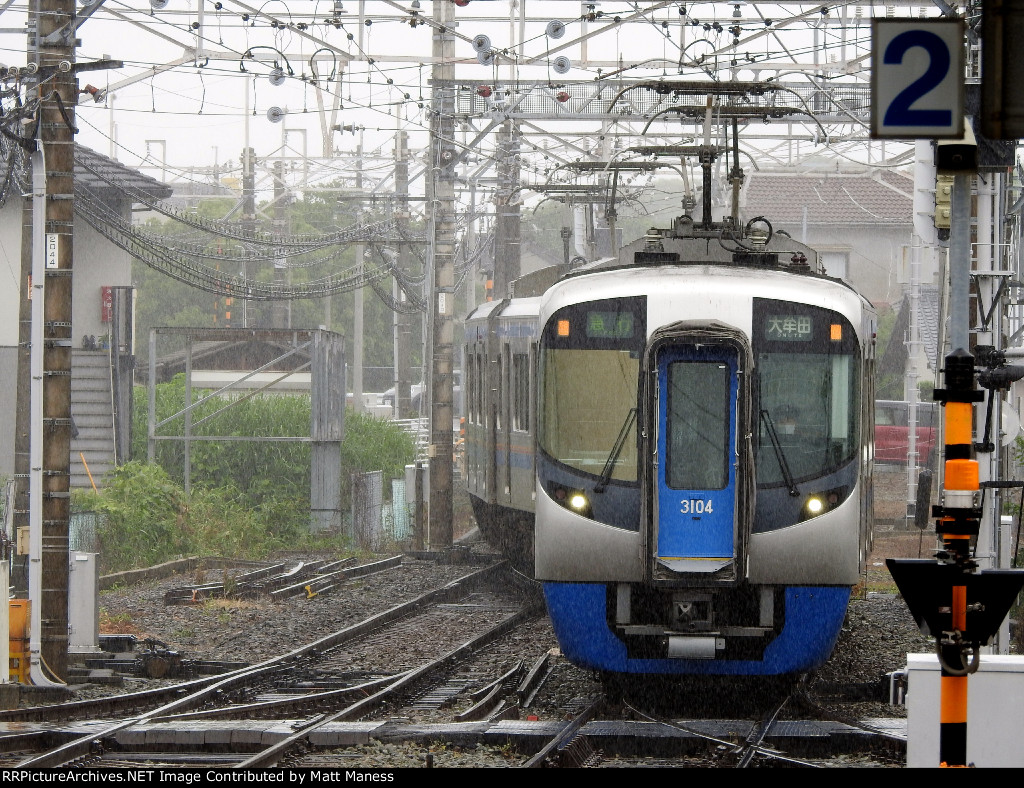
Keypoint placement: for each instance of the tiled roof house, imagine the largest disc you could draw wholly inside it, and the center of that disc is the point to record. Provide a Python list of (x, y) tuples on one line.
[(860, 223)]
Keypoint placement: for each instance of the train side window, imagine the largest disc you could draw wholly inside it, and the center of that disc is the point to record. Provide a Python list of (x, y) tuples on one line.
[(884, 417), (478, 399), (506, 388), (470, 383), (500, 399), (521, 392)]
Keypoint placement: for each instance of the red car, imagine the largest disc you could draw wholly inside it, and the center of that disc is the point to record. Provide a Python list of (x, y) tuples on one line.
[(892, 431)]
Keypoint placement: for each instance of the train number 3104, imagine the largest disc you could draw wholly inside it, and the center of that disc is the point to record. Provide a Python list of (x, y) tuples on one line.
[(696, 506)]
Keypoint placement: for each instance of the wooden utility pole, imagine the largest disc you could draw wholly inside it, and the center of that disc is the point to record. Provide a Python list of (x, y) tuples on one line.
[(441, 210), (59, 96)]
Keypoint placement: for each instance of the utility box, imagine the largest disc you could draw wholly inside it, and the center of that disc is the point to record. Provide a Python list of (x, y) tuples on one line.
[(995, 715), (22, 546), (19, 610), (83, 604)]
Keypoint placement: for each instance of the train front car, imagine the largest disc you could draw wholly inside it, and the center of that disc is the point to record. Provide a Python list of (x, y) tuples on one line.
[(703, 464)]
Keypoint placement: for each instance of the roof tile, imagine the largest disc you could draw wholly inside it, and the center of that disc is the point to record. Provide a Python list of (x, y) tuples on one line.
[(832, 198)]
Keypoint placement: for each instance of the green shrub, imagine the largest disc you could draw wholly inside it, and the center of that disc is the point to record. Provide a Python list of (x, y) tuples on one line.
[(273, 476), (247, 499), (143, 517)]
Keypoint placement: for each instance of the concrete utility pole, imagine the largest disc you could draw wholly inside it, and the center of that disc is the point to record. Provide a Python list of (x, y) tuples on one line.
[(922, 268), (248, 208), (403, 321), (442, 211), (507, 233), (279, 308), (57, 111), (357, 303)]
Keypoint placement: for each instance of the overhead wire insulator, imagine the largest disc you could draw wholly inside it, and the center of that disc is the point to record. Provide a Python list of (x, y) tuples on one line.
[(555, 29)]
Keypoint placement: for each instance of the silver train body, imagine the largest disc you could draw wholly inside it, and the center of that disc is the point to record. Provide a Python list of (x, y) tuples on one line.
[(681, 441)]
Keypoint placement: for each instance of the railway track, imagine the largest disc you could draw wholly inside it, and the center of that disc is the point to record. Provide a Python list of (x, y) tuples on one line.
[(605, 736), (368, 655), (463, 669)]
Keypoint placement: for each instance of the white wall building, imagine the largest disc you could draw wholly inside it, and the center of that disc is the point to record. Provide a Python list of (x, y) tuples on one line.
[(100, 188)]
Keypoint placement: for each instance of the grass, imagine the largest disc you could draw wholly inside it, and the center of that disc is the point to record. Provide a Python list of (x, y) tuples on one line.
[(230, 605), (117, 624)]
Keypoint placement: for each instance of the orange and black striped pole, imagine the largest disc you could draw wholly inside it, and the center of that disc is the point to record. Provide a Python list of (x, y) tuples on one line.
[(960, 521), (953, 600)]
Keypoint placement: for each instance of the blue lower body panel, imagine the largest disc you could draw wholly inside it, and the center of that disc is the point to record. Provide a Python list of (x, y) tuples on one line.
[(813, 618)]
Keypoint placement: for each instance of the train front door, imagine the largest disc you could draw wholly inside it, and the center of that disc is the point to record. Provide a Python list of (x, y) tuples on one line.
[(697, 458)]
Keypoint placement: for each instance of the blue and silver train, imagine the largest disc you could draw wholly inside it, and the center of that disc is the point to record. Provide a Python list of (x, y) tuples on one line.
[(680, 440)]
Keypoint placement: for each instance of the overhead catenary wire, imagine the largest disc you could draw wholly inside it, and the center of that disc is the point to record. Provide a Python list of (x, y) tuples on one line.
[(204, 278), (298, 251)]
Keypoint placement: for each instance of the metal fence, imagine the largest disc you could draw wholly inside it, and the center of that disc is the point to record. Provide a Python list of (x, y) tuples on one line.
[(83, 532), (377, 524)]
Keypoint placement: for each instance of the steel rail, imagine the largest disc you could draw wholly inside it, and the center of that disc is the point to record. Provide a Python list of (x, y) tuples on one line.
[(760, 749), (271, 709), (757, 735), (271, 755), (82, 746), (565, 736)]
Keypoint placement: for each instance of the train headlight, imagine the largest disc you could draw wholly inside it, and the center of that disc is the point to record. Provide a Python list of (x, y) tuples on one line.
[(579, 502), (820, 502), (575, 500)]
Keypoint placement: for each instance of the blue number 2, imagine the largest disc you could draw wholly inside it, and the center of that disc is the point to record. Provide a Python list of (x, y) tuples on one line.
[(899, 112)]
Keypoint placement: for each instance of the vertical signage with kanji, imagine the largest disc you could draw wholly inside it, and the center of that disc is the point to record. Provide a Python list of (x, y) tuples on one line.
[(106, 304)]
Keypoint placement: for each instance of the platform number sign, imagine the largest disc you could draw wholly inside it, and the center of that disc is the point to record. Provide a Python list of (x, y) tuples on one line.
[(917, 78)]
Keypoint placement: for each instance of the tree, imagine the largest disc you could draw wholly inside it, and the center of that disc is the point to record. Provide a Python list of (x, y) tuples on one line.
[(164, 301)]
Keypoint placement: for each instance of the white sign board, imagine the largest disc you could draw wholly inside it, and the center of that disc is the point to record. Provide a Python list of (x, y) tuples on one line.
[(917, 78), (52, 250)]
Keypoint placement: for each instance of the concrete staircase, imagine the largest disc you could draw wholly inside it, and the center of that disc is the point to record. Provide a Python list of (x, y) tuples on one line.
[(92, 411)]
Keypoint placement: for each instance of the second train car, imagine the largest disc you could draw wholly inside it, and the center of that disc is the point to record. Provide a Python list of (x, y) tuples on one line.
[(680, 441)]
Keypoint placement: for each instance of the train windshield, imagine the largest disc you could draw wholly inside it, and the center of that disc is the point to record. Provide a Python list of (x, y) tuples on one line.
[(808, 381), (590, 369)]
